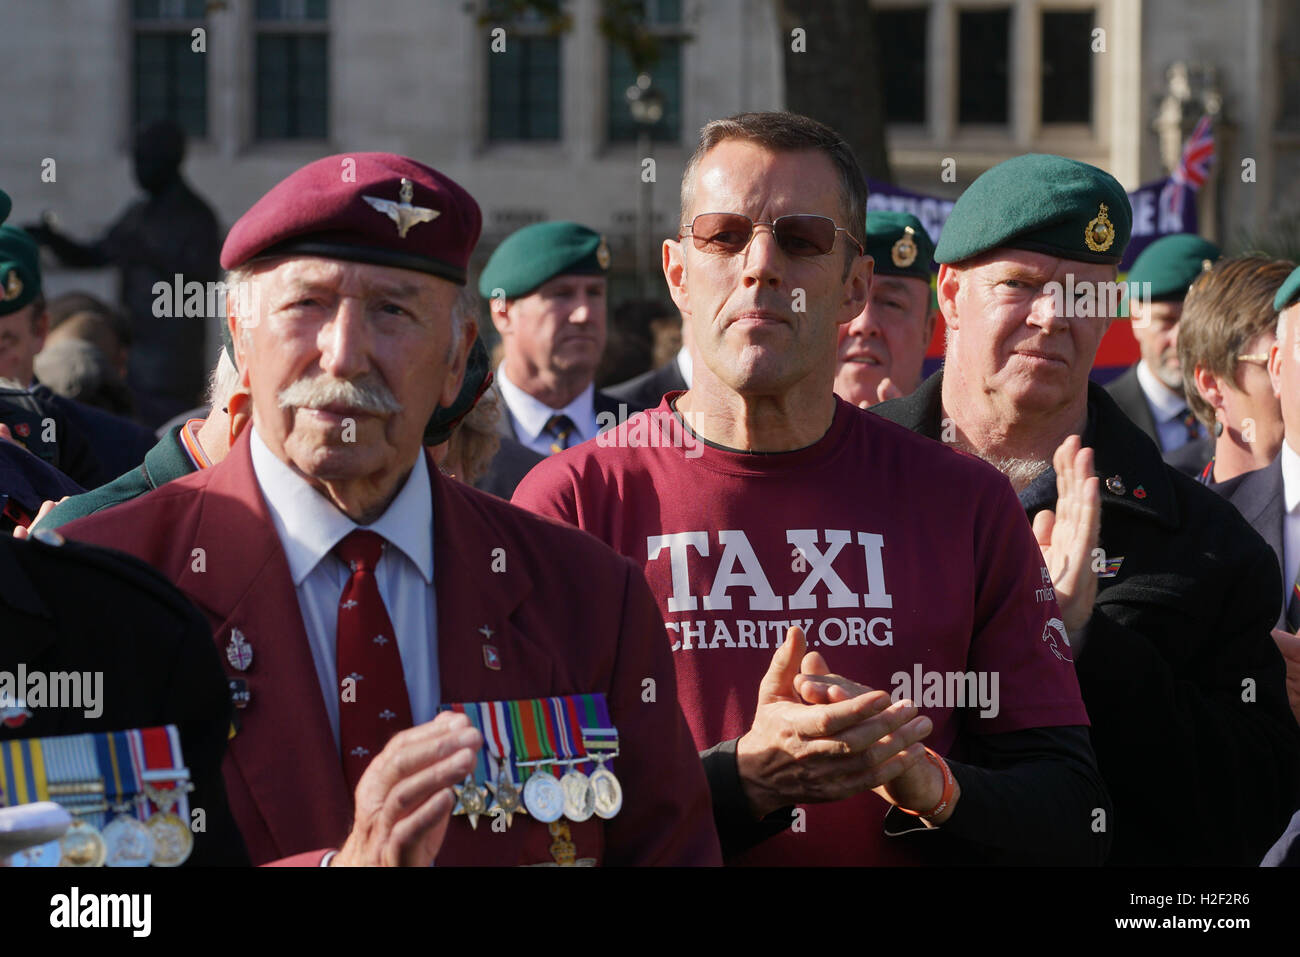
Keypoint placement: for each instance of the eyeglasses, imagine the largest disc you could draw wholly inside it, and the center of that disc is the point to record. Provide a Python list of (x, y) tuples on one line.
[(800, 235), (1260, 357)]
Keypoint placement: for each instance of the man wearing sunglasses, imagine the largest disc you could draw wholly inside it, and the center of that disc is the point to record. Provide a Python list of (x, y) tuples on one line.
[(1182, 681), (777, 523)]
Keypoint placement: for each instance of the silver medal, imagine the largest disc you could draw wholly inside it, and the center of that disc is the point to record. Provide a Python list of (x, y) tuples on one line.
[(544, 797), (608, 792), (129, 842), (579, 798)]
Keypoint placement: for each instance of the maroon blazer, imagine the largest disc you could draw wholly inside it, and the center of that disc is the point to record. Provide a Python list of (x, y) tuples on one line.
[(568, 616)]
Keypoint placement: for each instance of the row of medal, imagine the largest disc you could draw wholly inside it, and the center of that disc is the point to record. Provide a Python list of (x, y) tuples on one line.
[(137, 775), (561, 749)]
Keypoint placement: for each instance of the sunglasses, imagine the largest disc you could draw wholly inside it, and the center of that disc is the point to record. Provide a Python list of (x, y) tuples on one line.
[(799, 235)]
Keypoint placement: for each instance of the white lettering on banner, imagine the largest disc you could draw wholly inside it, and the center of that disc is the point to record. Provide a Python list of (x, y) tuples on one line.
[(751, 633), (682, 599), (739, 567), (820, 568), (736, 548)]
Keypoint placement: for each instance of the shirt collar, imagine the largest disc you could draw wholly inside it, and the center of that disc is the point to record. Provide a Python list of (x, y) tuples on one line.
[(685, 365), (1168, 405), (1290, 476), (310, 526), (531, 415)]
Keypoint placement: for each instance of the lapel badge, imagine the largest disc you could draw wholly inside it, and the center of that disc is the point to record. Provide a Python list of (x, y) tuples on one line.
[(403, 214), (1139, 492), (22, 430), (13, 287), (1115, 485), (1112, 567), (602, 254), (1100, 232), (239, 696), (491, 658), (903, 252), (238, 651), (486, 632)]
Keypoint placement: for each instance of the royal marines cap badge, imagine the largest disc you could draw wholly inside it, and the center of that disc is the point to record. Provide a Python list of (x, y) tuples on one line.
[(403, 214), (1100, 232), (602, 254), (13, 286), (903, 252)]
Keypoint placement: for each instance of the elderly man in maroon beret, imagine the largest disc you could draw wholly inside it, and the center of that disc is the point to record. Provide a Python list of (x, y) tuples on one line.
[(413, 674)]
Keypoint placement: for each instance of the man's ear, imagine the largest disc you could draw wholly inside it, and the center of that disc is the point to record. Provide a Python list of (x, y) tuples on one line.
[(1207, 384), (499, 310), (456, 369), (857, 287), (946, 288), (1275, 367), (674, 265), (239, 408)]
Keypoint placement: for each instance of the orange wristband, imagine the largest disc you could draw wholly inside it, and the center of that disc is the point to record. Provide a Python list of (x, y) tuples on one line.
[(949, 785)]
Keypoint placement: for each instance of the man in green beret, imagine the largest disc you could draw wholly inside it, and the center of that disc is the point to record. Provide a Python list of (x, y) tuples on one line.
[(1167, 597), (882, 350), (546, 288), (1151, 392), (23, 322)]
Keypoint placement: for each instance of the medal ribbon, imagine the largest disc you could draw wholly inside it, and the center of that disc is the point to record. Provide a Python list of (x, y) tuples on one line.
[(160, 750), (576, 728), (501, 733), (536, 722), (492, 735), (482, 772), (527, 741), (598, 733), (557, 718), (23, 772)]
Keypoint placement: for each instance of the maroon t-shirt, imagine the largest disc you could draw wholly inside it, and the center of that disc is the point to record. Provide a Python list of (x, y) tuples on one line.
[(909, 566)]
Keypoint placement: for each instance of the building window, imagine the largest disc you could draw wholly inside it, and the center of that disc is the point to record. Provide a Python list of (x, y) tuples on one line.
[(901, 37), (1067, 67), (663, 18), (524, 86), (292, 64), (169, 79), (984, 66)]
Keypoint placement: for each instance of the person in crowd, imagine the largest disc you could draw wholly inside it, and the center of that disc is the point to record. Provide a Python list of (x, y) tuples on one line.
[(1170, 639), (882, 350), (785, 531), (1225, 335), (374, 611), (1151, 392), (545, 286)]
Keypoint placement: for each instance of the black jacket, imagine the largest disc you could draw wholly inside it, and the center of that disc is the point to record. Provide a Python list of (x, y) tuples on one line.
[(1127, 392), (1259, 497), (647, 390), (1180, 675), (74, 607)]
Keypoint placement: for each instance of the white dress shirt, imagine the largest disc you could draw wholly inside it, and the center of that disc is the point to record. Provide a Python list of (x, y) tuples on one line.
[(1167, 408), (1291, 520), (684, 365), (530, 415), (310, 526)]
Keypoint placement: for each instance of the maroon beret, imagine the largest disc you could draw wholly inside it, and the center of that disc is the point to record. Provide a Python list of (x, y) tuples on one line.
[(376, 208)]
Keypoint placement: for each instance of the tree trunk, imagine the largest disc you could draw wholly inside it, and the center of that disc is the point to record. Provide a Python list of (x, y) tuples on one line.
[(837, 79)]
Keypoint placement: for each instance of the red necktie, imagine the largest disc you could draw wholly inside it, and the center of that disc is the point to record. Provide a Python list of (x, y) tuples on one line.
[(366, 651)]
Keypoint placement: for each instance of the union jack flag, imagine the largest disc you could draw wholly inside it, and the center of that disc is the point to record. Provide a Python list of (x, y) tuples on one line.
[(1194, 167)]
